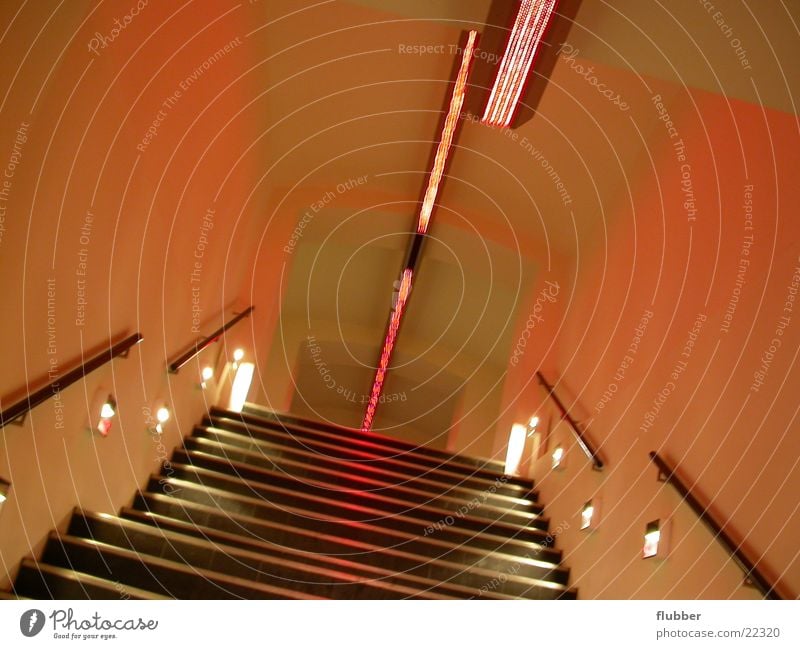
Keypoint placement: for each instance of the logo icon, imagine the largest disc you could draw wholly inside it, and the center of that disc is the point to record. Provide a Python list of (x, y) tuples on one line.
[(31, 622)]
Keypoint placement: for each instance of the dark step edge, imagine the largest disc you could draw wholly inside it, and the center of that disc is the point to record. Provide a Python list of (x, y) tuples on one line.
[(85, 577)]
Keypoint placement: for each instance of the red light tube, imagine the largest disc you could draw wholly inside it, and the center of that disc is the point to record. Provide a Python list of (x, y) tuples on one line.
[(388, 346), (448, 131), (523, 43)]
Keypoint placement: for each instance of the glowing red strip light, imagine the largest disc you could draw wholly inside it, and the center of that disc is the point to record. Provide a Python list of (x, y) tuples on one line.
[(388, 345), (523, 44), (448, 131)]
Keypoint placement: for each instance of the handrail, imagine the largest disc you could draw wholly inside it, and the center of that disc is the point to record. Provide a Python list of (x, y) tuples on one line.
[(583, 442), (16, 413), (752, 574), (200, 345)]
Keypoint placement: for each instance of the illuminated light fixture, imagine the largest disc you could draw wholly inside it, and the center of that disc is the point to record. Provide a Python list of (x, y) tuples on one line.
[(238, 355), (162, 417), (589, 515), (656, 537), (107, 412), (523, 44), (448, 131), (532, 424), (388, 346), (206, 374), (4, 488), (516, 446), (241, 386), (558, 458)]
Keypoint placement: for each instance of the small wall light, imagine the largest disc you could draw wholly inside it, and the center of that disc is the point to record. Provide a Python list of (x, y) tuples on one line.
[(107, 412), (162, 417), (206, 374), (532, 424), (656, 539), (558, 458), (238, 355), (590, 515), (4, 489)]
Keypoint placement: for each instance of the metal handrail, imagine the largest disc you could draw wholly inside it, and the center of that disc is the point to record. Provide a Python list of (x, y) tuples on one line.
[(752, 574), (200, 345), (586, 446), (16, 413)]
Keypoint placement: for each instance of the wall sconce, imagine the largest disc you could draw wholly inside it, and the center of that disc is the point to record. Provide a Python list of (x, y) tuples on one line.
[(590, 514), (238, 355), (107, 412), (532, 424), (206, 374), (656, 539), (5, 487), (558, 457), (516, 446), (162, 417)]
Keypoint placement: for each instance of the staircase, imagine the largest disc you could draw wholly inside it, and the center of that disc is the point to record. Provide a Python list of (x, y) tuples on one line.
[(267, 506)]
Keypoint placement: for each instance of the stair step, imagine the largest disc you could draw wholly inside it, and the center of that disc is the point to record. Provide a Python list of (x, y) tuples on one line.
[(325, 578), (267, 455), (164, 576), (383, 533), (348, 557), (252, 439), (292, 420), (349, 447), (328, 485), (473, 569), (355, 506), (38, 580)]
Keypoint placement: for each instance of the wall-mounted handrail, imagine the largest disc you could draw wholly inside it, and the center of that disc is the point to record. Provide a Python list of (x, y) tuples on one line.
[(586, 446), (16, 413), (751, 573), (200, 345)]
